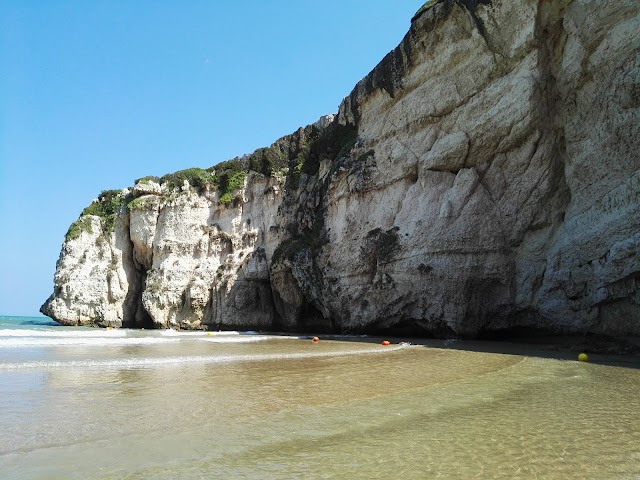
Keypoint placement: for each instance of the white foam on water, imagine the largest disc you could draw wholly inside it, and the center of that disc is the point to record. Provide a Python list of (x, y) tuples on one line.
[(221, 337), (195, 359), (238, 339), (16, 342), (173, 333), (177, 333), (59, 332)]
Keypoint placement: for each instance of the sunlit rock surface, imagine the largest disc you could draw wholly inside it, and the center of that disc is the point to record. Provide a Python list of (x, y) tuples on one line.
[(492, 184)]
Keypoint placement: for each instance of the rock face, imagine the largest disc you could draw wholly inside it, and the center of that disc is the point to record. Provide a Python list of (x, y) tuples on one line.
[(484, 177), (181, 260)]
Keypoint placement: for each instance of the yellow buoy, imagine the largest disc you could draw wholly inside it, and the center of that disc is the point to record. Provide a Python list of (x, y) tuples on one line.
[(209, 334), (583, 357)]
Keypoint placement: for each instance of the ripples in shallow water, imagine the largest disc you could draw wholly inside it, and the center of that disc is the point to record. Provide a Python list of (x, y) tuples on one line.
[(192, 407)]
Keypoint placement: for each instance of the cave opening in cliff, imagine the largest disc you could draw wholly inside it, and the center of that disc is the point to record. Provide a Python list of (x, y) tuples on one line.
[(517, 332), (415, 328)]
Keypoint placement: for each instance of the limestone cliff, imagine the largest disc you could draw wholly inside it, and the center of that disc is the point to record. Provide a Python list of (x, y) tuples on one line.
[(485, 176)]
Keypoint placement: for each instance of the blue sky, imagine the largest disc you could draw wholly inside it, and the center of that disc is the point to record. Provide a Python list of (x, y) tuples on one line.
[(94, 94)]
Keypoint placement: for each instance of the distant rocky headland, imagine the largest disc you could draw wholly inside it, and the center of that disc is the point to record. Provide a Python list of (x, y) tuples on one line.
[(483, 178)]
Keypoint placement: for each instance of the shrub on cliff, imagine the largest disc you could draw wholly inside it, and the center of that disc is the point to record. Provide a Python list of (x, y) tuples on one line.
[(139, 203), (225, 177), (227, 182), (330, 143), (198, 178), (83, 224), (235, 164), (300, 152), (147, 179), (108, 205), (267, 160), (109, 202)]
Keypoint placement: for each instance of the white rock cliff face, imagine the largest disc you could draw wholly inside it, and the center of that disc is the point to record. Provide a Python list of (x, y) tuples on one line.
[(186, 259), (494, 185)]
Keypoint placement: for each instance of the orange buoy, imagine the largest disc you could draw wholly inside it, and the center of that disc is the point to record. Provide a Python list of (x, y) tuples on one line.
[(316, 339), (386, 342)]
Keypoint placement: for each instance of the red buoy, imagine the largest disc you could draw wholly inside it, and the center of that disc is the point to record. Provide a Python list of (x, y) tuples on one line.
[(316, 339), (386, 342)]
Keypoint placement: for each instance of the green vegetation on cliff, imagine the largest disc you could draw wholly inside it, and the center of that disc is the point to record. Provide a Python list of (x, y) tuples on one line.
[(298, 153), (139, 203), (268, 160), (330, 143), (227, 182), (83, 224), (109, 204), (148, 179), (198, 178)]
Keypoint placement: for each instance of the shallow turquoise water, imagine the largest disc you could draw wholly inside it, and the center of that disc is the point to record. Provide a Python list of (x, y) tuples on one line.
[(88, 403)]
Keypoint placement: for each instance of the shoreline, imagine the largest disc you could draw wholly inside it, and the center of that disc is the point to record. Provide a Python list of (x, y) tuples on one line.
[(601, 349), (624, 352)]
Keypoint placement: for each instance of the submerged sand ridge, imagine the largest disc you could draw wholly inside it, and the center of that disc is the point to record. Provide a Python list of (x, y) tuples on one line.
[(312, 410)]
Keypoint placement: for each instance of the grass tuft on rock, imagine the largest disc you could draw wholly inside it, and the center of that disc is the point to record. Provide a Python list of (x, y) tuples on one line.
[(228, 182), (198, 178), (83, 224), (109, 205)]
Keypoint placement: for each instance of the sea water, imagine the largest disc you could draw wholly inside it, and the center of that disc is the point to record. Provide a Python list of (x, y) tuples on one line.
[(81, 403)]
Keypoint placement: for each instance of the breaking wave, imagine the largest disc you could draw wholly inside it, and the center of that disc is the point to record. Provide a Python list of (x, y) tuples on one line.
[(19, 332), (17, 342)]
